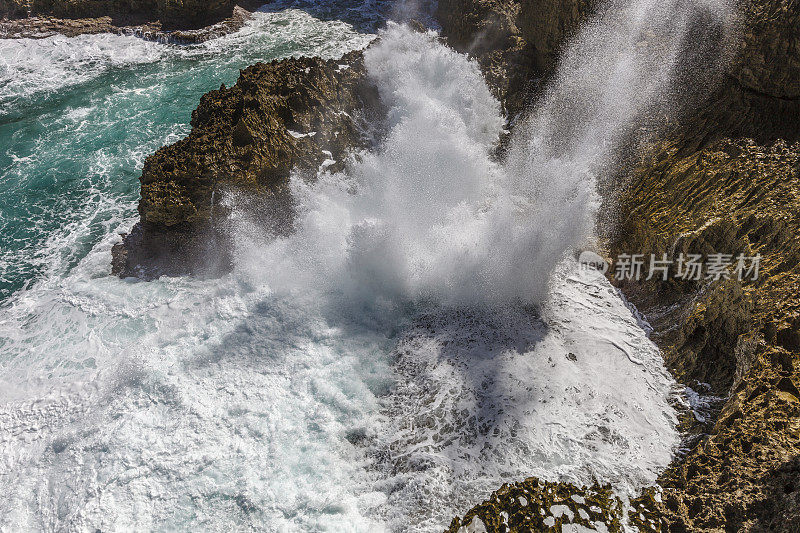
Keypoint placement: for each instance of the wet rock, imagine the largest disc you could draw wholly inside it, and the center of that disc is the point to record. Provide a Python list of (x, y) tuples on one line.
[(760, 94), (546, 26), (193, 14), (245, 140), (176, 21), (516, 42), (536, 505)]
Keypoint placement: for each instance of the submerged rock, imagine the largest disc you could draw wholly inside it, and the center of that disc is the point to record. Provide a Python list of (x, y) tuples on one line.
[(298, 113)]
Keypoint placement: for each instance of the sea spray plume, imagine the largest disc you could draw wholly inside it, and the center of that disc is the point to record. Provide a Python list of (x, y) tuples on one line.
[(429, 215), (426, 216), (627, 67), (407, 221)]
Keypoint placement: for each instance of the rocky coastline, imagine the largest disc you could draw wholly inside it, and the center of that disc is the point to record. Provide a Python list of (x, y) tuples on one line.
[(298, 113), (186, 22), (723, 177)]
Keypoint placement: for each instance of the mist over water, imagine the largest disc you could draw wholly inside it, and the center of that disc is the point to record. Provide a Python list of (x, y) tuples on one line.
[(420, 338)]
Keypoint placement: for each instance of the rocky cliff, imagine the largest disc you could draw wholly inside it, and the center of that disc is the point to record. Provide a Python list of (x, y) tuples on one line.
[(724, 178), (728, 180), (737, 340), (298, 113), (516, 42)]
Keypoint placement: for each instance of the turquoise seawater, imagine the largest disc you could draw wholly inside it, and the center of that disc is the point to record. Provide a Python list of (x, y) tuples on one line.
[(78, 116)]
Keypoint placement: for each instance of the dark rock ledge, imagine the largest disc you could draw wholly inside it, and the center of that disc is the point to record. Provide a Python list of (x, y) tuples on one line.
[(291, 114), (181, 22)]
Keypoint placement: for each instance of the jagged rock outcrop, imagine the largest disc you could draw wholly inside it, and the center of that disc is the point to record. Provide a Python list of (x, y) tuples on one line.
[(536, 505), (516, 42), (298, 113), (727, 180), (740, 337), (174, 20)]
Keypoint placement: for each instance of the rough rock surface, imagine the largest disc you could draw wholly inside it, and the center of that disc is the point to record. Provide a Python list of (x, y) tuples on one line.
[(174, 20), (39, 27), (728, 180), (295, 113), (516, 42), (535, 505), (741, 338), (13, 8)]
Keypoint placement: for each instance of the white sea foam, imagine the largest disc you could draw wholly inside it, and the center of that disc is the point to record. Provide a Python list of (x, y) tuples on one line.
[(380, 369), (488, 397), (29, 66)]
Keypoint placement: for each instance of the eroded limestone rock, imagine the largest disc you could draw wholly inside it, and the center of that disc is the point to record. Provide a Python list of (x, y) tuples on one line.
[(178, 21), (291, 114)]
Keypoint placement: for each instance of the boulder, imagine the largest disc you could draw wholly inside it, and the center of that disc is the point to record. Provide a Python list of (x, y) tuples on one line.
[(286, 115)]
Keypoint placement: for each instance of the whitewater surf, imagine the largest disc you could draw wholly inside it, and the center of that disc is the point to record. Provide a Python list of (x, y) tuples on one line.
[(423, 336)]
